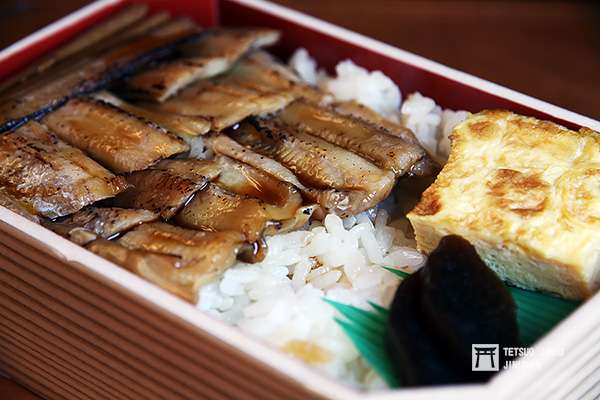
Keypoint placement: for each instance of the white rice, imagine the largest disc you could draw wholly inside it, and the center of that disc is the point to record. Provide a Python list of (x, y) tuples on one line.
[(306, 67), (373, 89), (280, 300), (431, 125), (450, 119)]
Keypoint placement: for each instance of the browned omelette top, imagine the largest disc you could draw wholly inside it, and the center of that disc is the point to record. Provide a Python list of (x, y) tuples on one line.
[(511, 177)]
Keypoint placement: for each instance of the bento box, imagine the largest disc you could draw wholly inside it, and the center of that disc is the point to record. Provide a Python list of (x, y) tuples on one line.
[(76, 326)]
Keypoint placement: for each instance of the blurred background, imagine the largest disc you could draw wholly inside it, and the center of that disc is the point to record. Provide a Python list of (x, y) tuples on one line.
[(547, 49)]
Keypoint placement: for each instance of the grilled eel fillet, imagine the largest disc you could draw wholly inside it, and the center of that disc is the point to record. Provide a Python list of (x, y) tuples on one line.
[(91, 72), (167, 186), (333, 173), (216, 195), (256, 85), (337, 179), (178, 260), (424, 167), (377, 145), (49, 176), (116, 139), (349, 117), (91, 223), (17, 206), (215, 209), (330, 156), (218, 209), (211, 54), (117, 24), (228, 99), (183, 126)]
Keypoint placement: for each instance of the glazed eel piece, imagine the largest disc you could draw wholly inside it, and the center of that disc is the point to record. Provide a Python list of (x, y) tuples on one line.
[(93, 37), (177, 259), (91, 73), (92, 222), (115, 138), (211, 54), (345, 123), (228, 99), (339, 180), (216, 195), (166, 187), (383, 149), (49, 177), (258, 84), (186, 127), (17, 206)]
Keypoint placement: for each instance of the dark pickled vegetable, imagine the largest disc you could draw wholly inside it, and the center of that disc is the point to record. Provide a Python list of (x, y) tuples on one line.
[(438, 313), (418, 358), (466, 301)]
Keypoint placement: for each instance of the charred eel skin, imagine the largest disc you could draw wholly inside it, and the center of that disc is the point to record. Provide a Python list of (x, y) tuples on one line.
[(112, 74)]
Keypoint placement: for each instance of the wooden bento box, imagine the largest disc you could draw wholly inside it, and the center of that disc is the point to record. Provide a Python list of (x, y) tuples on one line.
[(75, 326)]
